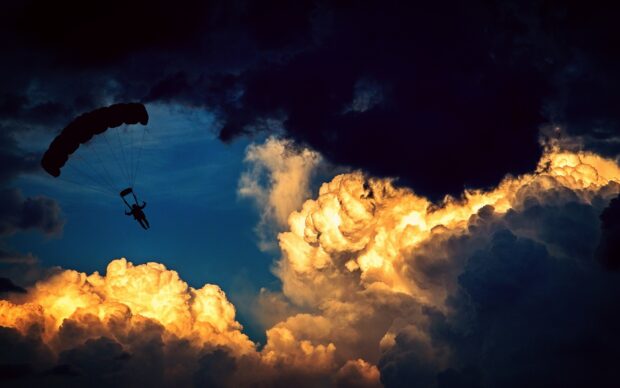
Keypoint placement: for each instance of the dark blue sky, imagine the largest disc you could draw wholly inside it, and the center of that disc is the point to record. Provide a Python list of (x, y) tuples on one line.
[(199, 226)]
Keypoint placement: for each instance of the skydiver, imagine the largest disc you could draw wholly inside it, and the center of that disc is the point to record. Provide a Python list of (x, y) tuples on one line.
[(138, 215)]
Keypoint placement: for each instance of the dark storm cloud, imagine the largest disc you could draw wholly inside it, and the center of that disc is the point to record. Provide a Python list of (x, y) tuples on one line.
[(215, 369), (101, 360), (462, 93), (589, 83), (7, 285), (18, 213), (21, 355), (440, 98), (13, 160), (444, 98), (97, 362), (127, 359), (66, 58), (21, 269), (103, 31), (608, 251), (21, 108), (533, 305)]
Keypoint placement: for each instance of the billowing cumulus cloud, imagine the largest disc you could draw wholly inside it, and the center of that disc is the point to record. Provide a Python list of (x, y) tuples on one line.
[(135, 323), (138, 324), (155, 295), (387, 276), (278, 180), (380, 286)]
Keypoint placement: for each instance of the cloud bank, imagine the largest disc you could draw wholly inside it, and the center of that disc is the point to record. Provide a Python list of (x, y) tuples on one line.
[(380, 286)]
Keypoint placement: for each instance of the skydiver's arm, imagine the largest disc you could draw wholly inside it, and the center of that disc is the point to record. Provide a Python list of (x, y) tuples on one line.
[(143, 205)]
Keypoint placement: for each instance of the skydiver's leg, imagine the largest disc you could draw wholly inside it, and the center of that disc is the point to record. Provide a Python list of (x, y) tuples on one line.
[(141, 221), (147, 223)]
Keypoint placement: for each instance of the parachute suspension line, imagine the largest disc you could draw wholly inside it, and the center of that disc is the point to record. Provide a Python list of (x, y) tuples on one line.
[(123, 153), (98, 179), (137, 147), (95, 175), (110, 149), (131, 155), (80, 172), (88, 186), (102, 178), (114, 154), (111, 178), (134, 157), (140, 147)]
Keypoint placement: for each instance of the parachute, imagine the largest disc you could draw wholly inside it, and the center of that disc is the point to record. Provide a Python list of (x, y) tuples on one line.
[(89, 145)]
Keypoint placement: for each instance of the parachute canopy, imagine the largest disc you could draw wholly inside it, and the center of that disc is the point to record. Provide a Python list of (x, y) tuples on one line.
[(84, 127)]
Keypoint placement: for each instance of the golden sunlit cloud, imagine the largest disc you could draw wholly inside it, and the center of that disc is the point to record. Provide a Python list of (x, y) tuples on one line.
[(278, 180), (125, 297), (352, 255), (375, 224)]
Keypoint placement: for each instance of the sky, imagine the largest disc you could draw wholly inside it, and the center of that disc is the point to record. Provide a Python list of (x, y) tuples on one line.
[(346, 194)]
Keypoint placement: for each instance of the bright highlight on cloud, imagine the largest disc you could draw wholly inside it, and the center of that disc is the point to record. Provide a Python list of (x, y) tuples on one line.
[(137, 315), (369, 227), (278, 180), (379, 286)]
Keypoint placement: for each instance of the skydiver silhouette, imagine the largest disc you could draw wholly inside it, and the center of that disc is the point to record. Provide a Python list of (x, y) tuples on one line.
[(138, 215)]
